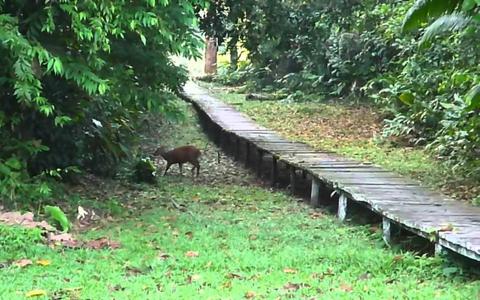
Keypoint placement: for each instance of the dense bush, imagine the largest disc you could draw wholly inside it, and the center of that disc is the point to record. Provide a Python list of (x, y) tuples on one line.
[(77, 75), (358, 50)]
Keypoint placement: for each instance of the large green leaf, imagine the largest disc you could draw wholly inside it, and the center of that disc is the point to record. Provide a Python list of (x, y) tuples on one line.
[(473, 98), (424, 10), (407, 98), (447, 23)]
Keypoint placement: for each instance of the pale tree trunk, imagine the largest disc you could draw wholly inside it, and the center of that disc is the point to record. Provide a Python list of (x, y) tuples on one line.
[(210, 55), (234, 58)]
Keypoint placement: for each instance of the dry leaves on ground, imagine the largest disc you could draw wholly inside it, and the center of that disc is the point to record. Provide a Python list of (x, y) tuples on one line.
[(22, 263), (346, 287), (44, 262), (67, 240), (289, 271), (250, 295), (24, 220), (191, 254)]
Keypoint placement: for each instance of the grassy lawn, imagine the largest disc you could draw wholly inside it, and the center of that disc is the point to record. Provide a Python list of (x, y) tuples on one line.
[(352, 131), (221, 236)]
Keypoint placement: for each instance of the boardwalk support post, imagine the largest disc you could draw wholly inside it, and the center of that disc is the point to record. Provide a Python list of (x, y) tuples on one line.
[(387, 230), (315, 193), (342, 207), (274, 170), (237, 148), (247, 153), (259, 162), (440, 250), (218, 137), (293, 179)]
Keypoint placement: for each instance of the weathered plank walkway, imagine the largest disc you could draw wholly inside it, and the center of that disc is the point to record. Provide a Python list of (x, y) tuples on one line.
[(450, 224)]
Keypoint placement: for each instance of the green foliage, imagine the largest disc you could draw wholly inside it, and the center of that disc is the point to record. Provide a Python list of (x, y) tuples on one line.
[(15, 239), (76, 77), (247, 240), (58, 216), (473, 98), (365, 51), (145, 171)]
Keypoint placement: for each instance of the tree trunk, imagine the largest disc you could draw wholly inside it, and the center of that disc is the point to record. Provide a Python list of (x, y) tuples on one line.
[(234, 58), (210, 55)]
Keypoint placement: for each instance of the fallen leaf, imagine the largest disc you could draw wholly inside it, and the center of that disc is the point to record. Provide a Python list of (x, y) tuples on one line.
[(227, 285), (193, 278), (133, 271), (291, 287), (64, 239), (250, 295), (22, 263), (346, 287), (163, 256), (289, 271), (234, 276), (390, 281), (102, 243), (398, 258), (316, 215), (446, 228), (189, 234), (329, 272), (35, 293), (43, 262), (191, 254)]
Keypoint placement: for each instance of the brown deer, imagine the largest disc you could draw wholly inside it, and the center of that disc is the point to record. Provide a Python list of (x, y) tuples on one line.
[(180, 156)]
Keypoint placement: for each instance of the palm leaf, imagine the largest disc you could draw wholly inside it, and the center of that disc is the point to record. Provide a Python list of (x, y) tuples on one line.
[(447, 23), (473, 98), (423, 10)]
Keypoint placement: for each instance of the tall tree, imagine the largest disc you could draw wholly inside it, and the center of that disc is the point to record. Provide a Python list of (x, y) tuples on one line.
[(76, 74)]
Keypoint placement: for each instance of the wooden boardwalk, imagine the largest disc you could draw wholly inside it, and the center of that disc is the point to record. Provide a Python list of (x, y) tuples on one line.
[(399, 201)]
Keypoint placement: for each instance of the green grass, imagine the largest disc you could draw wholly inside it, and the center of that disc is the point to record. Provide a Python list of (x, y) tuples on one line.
[(315, 124), (249, 240), (250, 234)]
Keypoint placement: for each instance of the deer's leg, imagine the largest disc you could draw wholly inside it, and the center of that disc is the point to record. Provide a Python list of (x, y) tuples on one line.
[(180, 166), (196, 165), (166, 169)]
